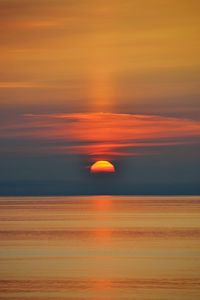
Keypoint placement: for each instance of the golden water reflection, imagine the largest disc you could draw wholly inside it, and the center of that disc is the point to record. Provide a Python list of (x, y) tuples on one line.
[(100, 248)]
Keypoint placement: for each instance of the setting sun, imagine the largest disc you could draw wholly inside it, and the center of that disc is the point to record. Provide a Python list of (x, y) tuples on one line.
[(102, 166)]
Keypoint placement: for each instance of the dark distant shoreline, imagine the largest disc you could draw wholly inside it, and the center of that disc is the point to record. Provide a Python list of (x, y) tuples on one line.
[(62, 188)]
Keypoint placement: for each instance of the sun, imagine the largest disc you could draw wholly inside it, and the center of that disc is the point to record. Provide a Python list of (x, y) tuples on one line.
[(102, 166)]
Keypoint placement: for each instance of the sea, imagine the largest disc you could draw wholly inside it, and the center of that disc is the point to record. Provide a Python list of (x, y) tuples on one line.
[(100, 248)]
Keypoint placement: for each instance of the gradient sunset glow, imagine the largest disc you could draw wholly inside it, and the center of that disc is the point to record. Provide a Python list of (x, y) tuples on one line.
[(85, 81), (99, 149)]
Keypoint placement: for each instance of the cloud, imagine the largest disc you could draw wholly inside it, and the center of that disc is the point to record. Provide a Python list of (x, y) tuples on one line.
[(18, 85), (96, 134), (30, 85), (34, 24)]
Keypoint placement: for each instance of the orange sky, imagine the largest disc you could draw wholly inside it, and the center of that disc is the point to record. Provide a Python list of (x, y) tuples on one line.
[(91, 80), (91, 55)]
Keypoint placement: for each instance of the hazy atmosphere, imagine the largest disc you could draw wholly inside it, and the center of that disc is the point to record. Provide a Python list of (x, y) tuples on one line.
[(99, 150), (87, 80)]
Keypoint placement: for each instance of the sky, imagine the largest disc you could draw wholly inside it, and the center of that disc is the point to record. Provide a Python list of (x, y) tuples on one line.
[(82, 81)]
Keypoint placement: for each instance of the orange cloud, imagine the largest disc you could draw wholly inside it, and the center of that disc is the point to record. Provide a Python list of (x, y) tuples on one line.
[(19, 85), (101, 135)]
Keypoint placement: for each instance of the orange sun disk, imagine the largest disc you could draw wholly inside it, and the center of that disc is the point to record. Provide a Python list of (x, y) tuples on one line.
[(102, 166)]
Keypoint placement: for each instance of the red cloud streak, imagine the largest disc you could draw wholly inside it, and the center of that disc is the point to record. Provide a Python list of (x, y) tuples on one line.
[(100, 134)]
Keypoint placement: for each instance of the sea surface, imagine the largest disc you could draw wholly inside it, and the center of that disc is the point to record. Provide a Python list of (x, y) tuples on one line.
[(100, 248)]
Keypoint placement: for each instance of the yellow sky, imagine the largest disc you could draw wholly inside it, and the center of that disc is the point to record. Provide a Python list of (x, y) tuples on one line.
[(129, 56)]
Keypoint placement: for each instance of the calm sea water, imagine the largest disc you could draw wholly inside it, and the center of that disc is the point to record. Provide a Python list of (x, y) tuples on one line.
[(100, 248)]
